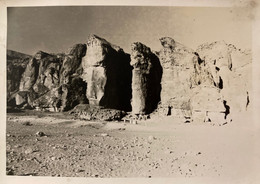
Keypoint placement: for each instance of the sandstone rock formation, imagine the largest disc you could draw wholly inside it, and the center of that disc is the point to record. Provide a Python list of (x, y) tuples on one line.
[(232, 70), (16, 64), (209, 85), (180, 74), (147, 73), (51, 81), (107, 71), (73, 87)]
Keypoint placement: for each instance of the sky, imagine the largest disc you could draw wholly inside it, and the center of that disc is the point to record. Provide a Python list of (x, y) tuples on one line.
[(55, 29)]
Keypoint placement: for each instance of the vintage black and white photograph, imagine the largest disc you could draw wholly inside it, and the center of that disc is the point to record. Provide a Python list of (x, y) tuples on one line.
[(130, 91)]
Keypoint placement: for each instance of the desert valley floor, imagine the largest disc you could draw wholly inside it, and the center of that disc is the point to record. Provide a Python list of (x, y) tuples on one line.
[(54, 144)]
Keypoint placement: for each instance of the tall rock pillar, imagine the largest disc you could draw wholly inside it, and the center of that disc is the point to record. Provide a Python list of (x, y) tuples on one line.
[(146, 79)]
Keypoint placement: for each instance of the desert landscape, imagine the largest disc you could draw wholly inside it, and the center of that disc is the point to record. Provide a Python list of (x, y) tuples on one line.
[(96, 110)]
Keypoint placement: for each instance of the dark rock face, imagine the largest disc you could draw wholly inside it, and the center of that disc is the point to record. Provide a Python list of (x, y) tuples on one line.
[(72, 62), (16, 64), (51, 81), (146, 78), (107, 71), (73, 93), (72, 86)]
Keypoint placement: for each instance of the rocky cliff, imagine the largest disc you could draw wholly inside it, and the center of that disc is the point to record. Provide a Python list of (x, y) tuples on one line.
[(16, 64), (210, 84), (107, 71), (49, 81)]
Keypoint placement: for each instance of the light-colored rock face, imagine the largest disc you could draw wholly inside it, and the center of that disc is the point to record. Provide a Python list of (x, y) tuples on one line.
[(180, 74), (231, 69), (145, 80), (29, 76), (107, 72), (97, 49), (96, 79)]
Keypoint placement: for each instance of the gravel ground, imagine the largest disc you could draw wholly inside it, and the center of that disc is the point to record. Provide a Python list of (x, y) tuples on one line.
[(57, 145)]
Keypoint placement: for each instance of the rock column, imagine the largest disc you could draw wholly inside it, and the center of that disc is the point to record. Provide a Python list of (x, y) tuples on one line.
[(145, 80)]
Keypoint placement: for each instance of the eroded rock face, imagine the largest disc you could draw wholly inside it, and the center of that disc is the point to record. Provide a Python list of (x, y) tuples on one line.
[(209, 85), (73, 93), (181, 72), (16, 64), (48, 75), (147, 73), (107, 71), (232, 69), (51, 81), (72, 62)]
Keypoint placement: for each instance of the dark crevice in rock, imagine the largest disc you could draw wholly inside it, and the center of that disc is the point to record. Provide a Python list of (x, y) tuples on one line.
[(227, 109), (247, 100), (220, 85), (107, 71)]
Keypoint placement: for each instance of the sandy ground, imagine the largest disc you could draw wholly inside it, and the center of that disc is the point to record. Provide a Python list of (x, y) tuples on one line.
[(154, 148)]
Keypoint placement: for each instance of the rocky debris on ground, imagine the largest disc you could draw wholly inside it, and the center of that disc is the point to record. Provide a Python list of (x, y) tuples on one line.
[(107, 72), (40, 134), (90, 112), (146, 79)]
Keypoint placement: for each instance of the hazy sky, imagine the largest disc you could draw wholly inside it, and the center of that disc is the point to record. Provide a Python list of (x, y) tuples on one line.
[(55, 29)]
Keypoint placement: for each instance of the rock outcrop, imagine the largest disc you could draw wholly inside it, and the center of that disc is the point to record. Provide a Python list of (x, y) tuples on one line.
[(232, 70), (51, 81), (107, 71), (90, 112), (16, 64), (181, 73), (73, 87), (147, 73), (209, 85)]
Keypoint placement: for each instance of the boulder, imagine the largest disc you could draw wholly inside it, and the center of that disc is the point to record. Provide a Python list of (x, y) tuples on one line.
[(107, 71), (147, 73)]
